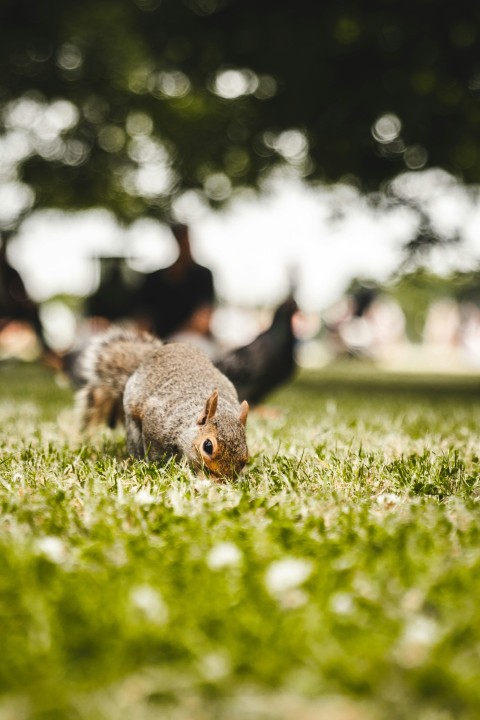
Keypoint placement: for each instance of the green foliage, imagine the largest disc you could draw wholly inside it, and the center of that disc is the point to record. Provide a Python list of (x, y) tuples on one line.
[(338, 577), (143, 78)]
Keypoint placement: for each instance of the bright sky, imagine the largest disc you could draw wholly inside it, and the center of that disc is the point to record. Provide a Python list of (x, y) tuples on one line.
[(252, 246)]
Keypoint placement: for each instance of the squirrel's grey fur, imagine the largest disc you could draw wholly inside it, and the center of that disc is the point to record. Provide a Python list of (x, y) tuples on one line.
[(172, 399)]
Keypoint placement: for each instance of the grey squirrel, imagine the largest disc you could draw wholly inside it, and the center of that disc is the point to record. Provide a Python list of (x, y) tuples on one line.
[(172, 399)]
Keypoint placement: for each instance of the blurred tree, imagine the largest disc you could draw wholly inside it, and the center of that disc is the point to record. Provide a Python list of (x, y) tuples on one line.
[(128, 104), (416, 291)]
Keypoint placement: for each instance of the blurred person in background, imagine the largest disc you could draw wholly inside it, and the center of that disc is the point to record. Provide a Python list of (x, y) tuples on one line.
[(178, 301), (115, 298)]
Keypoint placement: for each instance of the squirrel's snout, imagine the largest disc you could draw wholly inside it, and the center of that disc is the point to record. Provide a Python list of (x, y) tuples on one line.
[(222, 469)]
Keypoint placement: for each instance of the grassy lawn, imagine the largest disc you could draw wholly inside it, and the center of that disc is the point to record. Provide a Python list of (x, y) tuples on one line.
[(339, 579)]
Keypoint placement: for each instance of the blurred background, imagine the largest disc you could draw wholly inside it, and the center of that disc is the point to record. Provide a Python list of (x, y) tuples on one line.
[(328, 151)]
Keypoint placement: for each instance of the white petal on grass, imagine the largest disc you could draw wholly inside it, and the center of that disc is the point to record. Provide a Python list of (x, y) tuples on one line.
[(52, 548), (150, 602), (341, 603), (144, 497), (422, 630), (224, 554), (215, 666), (420, 634), (283, 575)]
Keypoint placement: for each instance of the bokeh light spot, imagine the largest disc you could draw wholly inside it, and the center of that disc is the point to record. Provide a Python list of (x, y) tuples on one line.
[(231, 84), (386, 128)]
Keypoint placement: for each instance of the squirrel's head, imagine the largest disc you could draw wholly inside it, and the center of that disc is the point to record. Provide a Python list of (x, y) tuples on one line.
[(220, 443)]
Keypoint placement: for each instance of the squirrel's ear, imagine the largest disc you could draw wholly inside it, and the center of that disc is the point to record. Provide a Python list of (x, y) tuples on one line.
[(244, 408), (209, 410)]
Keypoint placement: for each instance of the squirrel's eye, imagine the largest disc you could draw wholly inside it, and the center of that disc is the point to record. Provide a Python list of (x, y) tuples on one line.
[(208, 447)]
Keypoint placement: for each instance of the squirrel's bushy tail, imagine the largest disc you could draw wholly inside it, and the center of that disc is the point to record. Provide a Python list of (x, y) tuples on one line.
[(106, 365)]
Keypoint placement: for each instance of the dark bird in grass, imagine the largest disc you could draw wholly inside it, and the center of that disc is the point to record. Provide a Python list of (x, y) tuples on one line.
[(267, 362)]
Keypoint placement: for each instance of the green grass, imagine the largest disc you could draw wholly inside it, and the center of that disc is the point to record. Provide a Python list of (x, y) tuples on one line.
[(339, 579)]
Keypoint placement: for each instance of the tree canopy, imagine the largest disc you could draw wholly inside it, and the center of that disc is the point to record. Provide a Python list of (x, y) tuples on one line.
[(128, 104)]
